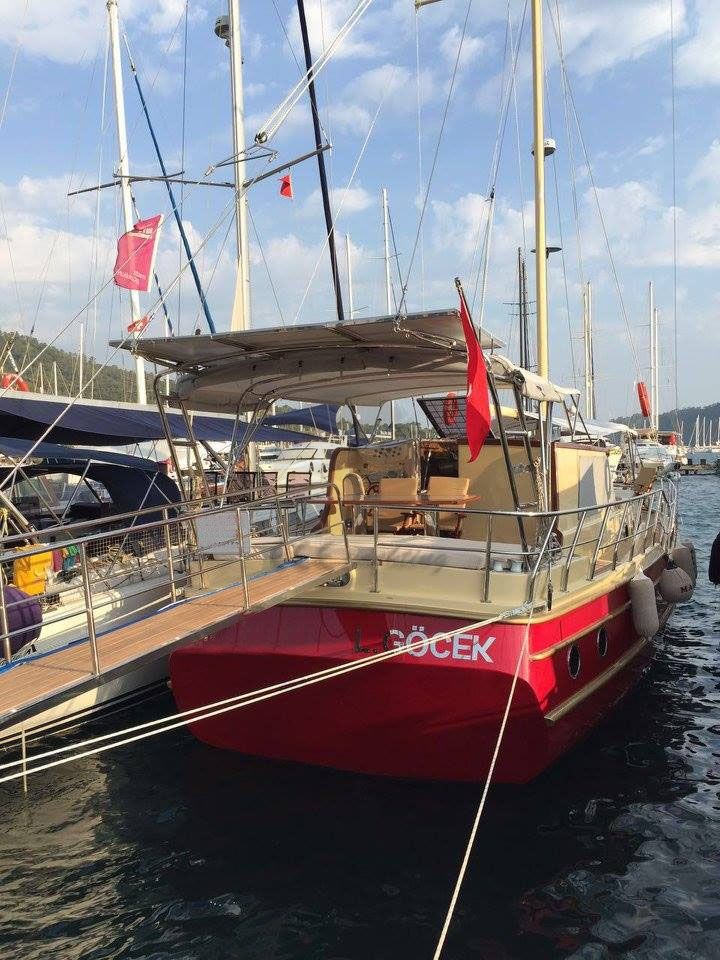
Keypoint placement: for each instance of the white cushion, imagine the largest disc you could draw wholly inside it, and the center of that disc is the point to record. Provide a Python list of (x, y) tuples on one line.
[(434, 551)]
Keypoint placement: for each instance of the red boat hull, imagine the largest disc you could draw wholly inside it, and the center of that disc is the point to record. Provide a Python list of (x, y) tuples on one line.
[(433, 713)]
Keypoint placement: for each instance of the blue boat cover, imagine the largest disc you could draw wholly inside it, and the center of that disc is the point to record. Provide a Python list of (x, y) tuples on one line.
[(26, 418), (133, 483)]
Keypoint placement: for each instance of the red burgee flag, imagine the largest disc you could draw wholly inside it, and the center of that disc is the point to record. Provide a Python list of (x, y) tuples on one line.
[(286, 186), (477, 410), (136, 255), (137, 326)]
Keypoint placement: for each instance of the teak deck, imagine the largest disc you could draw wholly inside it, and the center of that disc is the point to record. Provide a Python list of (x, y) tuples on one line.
[(29, 688)]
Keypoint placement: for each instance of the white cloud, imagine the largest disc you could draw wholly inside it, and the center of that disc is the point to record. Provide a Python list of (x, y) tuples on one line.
[(597, 36), (389, 84), (68, 31), (697, 58), (473, 47), (707, 169), (352, 199)]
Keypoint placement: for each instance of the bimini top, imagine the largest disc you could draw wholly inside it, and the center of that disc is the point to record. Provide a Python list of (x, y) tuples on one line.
[(361, 362)]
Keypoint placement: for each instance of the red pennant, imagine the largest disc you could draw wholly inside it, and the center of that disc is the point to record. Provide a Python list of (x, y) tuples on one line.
[(137, 326), (477, 415), (286, 186)]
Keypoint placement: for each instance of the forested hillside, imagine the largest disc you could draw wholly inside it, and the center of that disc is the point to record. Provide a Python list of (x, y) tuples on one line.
[(111, 383), (685, 418)]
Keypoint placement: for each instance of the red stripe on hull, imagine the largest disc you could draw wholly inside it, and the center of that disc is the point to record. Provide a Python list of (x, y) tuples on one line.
[(430, 714)]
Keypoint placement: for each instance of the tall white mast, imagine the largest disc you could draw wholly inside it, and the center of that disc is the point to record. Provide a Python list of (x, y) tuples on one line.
[(653, 358), (389, 308), (348, 257), (81, 372), (386, 241), (228, 29), (124, 174), (656, 351), (543, 353), (588, 344)]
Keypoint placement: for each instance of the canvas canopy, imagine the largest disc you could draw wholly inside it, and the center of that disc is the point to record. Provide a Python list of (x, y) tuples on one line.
[(101, 423), (362, 362)]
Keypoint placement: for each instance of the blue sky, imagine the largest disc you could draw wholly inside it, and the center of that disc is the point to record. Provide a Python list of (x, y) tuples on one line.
[(52, 258)]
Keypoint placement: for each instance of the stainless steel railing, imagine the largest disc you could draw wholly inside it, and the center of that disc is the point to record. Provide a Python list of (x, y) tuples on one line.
[(176, 555), (601, 536)]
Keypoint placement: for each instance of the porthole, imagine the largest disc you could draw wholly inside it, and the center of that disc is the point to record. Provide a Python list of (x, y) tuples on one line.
[(602, 641), (573, 661)]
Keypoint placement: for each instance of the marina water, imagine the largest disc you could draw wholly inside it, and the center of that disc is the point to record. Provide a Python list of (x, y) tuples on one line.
[(169, 849)]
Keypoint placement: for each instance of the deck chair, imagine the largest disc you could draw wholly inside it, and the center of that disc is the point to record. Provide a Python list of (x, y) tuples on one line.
[(394, 488), (644, 479), (448, 523)]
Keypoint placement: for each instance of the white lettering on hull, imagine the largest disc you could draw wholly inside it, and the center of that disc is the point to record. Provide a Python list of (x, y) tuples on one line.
[(462, 646)]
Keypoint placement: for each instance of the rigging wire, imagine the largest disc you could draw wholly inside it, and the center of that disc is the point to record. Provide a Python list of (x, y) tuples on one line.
[(183, 122), (571, 150), (93, 272), (519, 148), (227, 211), (675, 210), (446, 110), (561, 239), (336, 216), (283, 110), (503, 112), (418, 94), (267, 267), (596, 196)]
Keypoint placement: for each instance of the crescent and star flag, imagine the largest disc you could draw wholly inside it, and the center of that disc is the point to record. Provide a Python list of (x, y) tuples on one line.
[(136, 255), (286, 186), (137, 326), (477, 408)]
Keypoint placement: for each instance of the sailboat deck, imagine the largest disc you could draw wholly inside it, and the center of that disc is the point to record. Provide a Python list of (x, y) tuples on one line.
[(28, 688)]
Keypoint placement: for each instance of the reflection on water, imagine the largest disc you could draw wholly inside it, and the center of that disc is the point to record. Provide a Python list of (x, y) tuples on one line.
[(172, 850)]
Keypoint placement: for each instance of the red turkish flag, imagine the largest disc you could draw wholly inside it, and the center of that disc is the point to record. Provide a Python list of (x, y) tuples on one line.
[(137, 326), (286, 186), (477, 412), (136, 255)]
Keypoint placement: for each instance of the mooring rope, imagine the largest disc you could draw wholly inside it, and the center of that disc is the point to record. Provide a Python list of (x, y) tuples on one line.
[(481, 806), (109, 741)]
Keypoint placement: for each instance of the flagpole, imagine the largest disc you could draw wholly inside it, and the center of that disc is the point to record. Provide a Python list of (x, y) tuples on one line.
[(124, 174)]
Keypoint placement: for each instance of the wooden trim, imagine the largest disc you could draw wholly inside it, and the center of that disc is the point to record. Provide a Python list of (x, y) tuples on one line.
[(544, 654), (577, 698)]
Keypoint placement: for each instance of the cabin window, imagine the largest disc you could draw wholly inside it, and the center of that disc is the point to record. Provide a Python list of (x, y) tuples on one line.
[(602, 641)]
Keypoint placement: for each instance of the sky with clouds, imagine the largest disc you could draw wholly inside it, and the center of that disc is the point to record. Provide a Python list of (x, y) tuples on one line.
[(57, 134)]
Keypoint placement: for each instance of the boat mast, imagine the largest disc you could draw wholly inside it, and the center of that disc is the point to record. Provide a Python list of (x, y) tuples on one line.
[(543, 360), (329, 227), (589, 359), (386, 245), (654, 405), (228, 29), (124, 174), (389, 309), (349, 276)]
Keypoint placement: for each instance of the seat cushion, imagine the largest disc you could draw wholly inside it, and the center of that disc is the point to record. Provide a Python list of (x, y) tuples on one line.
[(433, 551)]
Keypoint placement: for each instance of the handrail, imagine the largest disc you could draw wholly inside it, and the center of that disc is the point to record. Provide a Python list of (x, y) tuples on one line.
[(648, 515)]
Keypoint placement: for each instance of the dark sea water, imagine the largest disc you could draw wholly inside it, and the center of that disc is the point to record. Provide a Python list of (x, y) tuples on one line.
[(169, 849)]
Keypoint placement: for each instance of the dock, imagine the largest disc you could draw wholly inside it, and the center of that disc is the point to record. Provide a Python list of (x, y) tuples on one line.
[(32, 686)]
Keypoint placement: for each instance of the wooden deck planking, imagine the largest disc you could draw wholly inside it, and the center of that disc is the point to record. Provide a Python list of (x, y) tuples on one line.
[(35, 685)]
